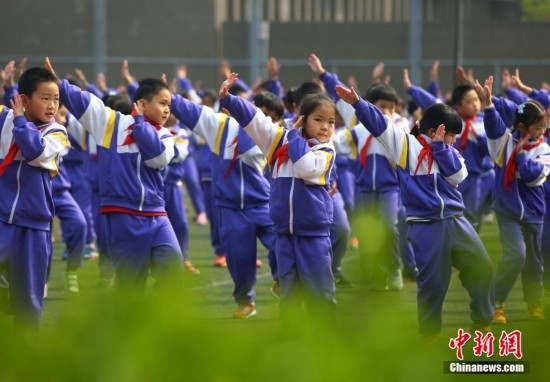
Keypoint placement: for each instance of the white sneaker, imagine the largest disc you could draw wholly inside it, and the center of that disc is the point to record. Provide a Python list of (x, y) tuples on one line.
[(395, 280), (71, 282)]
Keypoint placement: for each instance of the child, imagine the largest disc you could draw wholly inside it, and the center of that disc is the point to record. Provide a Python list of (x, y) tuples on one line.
[(132, 151), (376, 184), (430, 170), (300, 205), (29, 148), (523, 162), (476, 189), (241, 192)]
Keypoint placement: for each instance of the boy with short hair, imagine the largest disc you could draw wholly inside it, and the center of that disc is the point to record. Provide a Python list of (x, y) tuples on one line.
[(133, 149), (30, 143)]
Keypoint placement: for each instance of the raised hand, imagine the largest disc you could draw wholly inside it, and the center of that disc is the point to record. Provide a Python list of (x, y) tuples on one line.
[(225, 69), (273, 68), (80, 76), (21, 67), (406, 79), (516, 81), (299, 122), (348, 95), (439, 134), (315, 64), (377, 73), (17, 106), (101, 82), (434, 72), (182, 72), (506, 79), (352, 82), (126, 76), (8, 74), (164, 79), (387, 79), (462, 76), (138, 107), (522, 142), (173, 87), (226, 85), (48, 66), (485, 92)]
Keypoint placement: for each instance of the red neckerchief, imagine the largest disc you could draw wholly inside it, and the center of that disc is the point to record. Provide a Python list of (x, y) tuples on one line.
[(364, 152), (465, 133), (12, 152), (281, 153), (235, 154), (130, 137), (511, 166), (426, 151)]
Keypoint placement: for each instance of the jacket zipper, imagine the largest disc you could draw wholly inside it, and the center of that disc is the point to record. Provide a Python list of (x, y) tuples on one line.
[(439, 196), (10, 221), (140, 183), (242, 183)]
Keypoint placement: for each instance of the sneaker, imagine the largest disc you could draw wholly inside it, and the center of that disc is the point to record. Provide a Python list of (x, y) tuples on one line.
[(71, 282), (220, 261), (45, 291), (499, 317), (354, 242), (259, 263), (90, 252), (190, 268), (342, 282), (536, 312), (201, 219), (395, 280), (245, 311), (275, 290)]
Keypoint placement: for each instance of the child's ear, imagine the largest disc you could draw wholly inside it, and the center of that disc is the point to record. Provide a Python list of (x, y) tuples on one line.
[(522, 127), (430, 132), (25, 100)]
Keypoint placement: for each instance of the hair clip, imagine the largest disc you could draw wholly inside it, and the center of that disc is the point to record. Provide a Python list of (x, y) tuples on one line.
[(520, 108)]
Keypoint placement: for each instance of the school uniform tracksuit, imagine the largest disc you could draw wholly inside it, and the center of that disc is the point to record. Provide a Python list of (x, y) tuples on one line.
[(477, 188), (131, 154), (27, 208), (440, 235), (519, 202), (240, 191), (299, 205)]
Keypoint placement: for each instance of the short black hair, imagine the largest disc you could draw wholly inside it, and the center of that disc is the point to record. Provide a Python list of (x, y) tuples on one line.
[(148, 88), (381, 91), (529, 113), (119, 102), (236, 90), (32, 77), (440, 113), (270, 101), (459, 92), (306, 88), (210, 93)]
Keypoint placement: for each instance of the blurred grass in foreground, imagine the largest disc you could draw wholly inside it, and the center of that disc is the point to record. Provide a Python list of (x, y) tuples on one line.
[(101, 336)]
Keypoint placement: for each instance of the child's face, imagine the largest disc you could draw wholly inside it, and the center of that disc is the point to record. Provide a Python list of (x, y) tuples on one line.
[(61, 116), (158, 109), (42, 105), (320, 123), (470, 104), (535, 130), (387, 107)]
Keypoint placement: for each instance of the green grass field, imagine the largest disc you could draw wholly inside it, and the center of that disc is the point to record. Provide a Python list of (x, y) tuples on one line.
[(96, 337)]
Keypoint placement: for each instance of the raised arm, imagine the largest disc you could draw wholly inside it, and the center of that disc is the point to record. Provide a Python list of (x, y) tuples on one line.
[(273, 70), (156, 151), (40, 149), (494, 125), (451, 164), (420, 96), (433, 85), (394, 140), (8, 82)]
